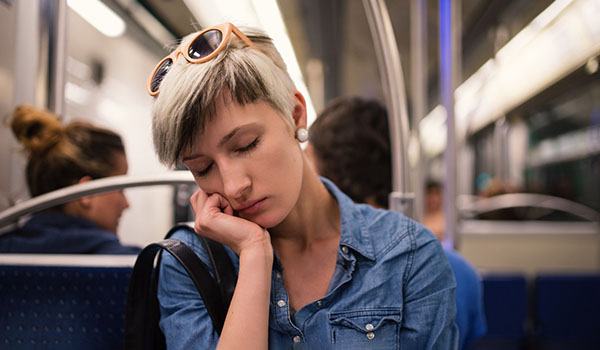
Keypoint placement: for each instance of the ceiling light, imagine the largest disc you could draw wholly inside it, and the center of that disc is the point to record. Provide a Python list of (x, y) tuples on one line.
[(100, 16)]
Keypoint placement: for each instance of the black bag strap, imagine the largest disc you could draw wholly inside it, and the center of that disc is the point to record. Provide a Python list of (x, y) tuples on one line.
[(143, 313), (225, 273)]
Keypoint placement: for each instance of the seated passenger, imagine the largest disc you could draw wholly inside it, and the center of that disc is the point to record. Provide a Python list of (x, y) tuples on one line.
[(60, 156), (316, 270), (433, 217), (350, 144)]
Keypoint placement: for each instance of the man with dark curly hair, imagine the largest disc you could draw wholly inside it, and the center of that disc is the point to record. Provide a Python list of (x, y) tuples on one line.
[(350, 144)]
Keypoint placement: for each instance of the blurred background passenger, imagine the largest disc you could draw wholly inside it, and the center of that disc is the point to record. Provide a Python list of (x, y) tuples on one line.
[(434, 213), (60, 156), (350, 144)]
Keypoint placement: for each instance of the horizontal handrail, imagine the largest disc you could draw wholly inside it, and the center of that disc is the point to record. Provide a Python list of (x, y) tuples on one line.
[(96, 260), (514, 200), (107, 184)]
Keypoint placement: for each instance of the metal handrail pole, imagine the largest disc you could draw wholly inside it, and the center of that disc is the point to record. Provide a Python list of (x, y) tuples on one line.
[(390, 72), (447, 76), (418, 73), (107, 184)]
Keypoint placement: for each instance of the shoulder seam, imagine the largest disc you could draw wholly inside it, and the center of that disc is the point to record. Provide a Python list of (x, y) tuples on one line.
[(411, 256), (394, 242)]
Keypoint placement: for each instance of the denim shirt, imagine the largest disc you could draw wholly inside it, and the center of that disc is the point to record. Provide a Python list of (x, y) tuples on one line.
[(392, 289)]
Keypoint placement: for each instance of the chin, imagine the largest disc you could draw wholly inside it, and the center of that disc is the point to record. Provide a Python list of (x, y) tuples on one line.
[(267, 219)]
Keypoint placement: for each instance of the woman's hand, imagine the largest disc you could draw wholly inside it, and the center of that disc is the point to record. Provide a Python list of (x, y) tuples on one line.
[(215, 220)]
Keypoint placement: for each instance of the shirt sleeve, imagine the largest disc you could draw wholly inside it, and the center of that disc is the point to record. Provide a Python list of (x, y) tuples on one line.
[(429, 304), (183, 317)]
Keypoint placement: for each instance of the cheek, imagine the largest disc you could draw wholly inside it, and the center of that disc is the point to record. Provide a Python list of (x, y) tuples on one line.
[(108, 204), (282, 176), (281, 161)]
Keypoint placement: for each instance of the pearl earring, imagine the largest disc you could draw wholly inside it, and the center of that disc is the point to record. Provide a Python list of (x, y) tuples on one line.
[(302, 135)]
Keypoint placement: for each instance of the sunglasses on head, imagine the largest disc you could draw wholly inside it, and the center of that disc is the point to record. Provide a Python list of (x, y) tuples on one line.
[(205, 46)]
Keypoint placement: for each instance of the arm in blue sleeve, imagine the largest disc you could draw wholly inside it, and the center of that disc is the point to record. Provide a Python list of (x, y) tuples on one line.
[(429, 305), (183, 316)]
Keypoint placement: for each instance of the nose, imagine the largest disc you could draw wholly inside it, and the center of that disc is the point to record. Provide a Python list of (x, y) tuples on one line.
[(236, 182), (124, 200)]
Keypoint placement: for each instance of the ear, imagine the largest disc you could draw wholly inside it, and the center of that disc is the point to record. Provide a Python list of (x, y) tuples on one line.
[(86, 201), (299, 112)]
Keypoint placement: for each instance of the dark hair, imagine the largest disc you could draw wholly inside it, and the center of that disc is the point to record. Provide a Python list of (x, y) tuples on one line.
[(432, 184), (351, 141), (59, 156)]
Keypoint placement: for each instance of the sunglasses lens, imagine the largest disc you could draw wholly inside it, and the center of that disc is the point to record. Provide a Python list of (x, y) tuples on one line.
[(205, 44), (160, 73)]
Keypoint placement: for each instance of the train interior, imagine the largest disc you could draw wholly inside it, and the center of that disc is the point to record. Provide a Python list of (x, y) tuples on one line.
[(520, 166)]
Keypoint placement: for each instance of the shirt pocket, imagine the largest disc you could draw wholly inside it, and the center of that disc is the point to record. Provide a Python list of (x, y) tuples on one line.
[(369, 328)]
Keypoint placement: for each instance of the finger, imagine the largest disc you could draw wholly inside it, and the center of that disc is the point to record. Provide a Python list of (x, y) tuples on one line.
[(225, 206), (217, 201), (193, 200), (197, 200), (228, 210)]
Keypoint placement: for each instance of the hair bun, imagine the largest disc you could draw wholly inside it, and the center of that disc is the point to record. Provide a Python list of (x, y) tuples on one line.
[(37, 129)]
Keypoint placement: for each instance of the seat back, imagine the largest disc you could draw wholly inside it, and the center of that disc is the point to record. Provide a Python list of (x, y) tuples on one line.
[(65, 307), (567, 311), (505, 302)]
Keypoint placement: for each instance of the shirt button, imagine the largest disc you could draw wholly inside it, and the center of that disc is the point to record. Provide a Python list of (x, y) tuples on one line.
[(278, 275), (345, 250), (369, 327), (370, 335), (281, 303), (297, 339), (319, 303)]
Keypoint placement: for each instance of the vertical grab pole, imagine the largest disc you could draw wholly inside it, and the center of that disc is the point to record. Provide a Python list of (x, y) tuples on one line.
[(390, 72), (447, 84), (56, 12), (418, 74)]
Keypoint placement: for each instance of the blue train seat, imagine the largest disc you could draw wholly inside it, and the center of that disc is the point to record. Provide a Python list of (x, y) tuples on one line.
[(505, 302), (567, 311), (62, 307)]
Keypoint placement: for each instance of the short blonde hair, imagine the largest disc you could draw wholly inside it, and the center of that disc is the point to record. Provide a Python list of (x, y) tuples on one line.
[(189, 93)]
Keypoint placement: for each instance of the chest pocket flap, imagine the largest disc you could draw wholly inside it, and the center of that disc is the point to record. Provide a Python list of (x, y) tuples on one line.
[(377, 328)]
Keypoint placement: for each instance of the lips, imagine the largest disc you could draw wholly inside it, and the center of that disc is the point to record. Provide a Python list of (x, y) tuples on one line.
[(251, 207)]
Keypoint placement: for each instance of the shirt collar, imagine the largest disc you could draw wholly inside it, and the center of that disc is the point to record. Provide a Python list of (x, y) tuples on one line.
[(355, 234)]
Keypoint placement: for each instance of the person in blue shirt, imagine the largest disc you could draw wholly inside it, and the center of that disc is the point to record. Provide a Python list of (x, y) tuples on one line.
[(350, 144), (60, 156), (315, 269)]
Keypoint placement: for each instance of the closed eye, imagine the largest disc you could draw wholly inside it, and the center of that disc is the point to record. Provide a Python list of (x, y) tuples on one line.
[(249, 147), (204, 172)]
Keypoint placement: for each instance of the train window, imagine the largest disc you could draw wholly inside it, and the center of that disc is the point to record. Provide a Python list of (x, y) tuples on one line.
[(546, 142)]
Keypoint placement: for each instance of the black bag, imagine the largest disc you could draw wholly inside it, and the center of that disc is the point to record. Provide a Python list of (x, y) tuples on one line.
[(142, 313)]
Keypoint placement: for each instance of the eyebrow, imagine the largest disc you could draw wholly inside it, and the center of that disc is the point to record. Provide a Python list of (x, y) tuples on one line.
[(225, 138)]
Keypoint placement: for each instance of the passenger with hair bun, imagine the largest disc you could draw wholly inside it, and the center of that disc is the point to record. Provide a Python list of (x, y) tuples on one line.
[(60, 156), (315, 270)]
